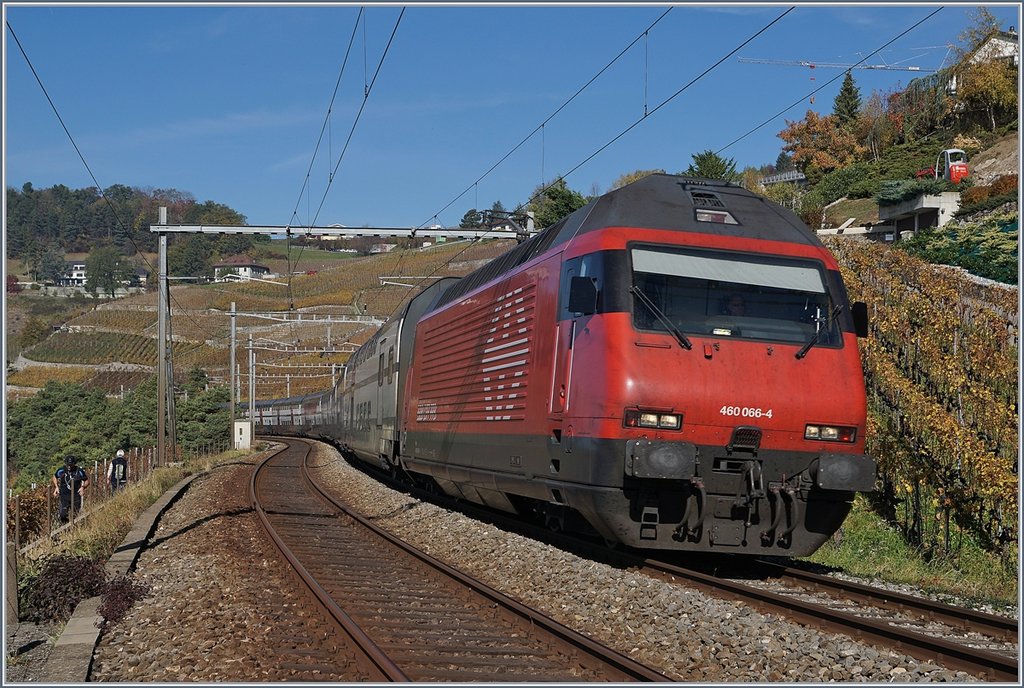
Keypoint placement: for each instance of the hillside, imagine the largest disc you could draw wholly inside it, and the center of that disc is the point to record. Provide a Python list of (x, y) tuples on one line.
[(1000, 158), (112, 344)]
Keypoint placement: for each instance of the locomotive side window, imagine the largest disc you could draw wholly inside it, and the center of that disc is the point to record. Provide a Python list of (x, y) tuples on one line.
[(391, 365), (717, 293), (591, 265)]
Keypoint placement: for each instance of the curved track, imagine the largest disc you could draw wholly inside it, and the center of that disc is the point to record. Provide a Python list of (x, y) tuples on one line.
[(963, 639), (413, 617)]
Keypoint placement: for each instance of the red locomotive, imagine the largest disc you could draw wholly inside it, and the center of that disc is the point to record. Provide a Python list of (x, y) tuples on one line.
[(673, 366)]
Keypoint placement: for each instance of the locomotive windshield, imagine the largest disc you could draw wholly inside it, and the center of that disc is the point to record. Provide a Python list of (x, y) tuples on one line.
[(733, 295)]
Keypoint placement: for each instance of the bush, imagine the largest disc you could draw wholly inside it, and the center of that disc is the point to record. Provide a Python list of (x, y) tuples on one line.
[(990, 203), (62, 581), (1004, 185), (118, 597), (895, 192), (975, 195), (866, 188)]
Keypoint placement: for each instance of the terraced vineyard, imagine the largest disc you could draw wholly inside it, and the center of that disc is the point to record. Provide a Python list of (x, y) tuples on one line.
[(38, 376), (124, 331), (117, 320), (94, 348)]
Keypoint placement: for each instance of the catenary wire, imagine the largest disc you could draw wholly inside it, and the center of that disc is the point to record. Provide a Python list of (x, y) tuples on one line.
[(675, 95), (540, 127), (827, 83), (74, 144)]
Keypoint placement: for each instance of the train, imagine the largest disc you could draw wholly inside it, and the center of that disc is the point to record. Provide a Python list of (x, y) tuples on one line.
[(674, 367)]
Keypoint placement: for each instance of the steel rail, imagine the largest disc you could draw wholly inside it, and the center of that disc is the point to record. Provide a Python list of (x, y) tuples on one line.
[(615, 659), (388, 669), (993, 625), (981, 663)]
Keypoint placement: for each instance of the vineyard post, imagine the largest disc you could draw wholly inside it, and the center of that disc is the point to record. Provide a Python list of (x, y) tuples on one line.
[(49, 512)]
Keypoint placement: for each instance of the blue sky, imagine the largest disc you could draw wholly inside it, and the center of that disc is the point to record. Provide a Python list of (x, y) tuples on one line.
[(227, 102)]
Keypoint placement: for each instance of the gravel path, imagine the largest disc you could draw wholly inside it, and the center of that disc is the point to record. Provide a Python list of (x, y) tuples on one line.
[(220, 601)]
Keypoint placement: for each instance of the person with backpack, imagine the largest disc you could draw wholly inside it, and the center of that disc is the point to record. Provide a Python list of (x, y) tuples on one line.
[(69, 483), (117, 473)]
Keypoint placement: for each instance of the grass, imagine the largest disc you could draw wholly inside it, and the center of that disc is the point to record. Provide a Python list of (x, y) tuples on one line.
[(863, 209), (100, 534), (871, 548)]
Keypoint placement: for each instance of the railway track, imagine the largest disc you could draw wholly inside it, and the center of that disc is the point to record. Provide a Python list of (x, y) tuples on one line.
[(985, 645), (413, 618)]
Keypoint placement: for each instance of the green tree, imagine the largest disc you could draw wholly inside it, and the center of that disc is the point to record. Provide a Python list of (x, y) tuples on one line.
[(784, 163), (61, 419), (197, 380), (472, 219), (553, 202), (190, 256), (204, 420), (846, 107), (105, 270), (711, 165), (210, 213), (138, 424), (51, 265)]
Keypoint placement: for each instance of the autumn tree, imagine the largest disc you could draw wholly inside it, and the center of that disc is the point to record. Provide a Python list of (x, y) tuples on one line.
[(989, 87), (819, 146), (750, 179), (873, 128), (634, 176), (982, 25)]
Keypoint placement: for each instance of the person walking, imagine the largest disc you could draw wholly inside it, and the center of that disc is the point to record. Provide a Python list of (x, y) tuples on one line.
[(69, 483), (117, 472)]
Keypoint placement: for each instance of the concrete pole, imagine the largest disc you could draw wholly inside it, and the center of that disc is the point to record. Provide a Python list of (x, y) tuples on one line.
[(161, 346), (252, 383), (231, 373)]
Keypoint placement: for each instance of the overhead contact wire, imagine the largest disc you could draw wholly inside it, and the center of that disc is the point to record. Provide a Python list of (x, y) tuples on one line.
[(81, 156), (561, 107), (830, 81)]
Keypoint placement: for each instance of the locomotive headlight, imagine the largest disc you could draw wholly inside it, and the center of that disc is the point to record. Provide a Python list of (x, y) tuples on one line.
[(635, 418), (830, 433)]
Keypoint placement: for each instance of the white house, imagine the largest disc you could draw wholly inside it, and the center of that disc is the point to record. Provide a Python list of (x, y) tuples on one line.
[(241, 265), (74, 275), (1000, 45)]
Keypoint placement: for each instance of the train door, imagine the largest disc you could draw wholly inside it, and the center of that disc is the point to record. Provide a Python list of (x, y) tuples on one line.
[(578, 298), (378, 412)]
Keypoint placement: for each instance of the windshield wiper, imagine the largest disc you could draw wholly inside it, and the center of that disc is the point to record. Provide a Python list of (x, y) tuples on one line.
[(817, 333), (645, 300)]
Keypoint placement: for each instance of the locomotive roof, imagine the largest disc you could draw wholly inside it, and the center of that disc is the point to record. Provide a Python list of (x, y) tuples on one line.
[(658, 201), (667, 201)]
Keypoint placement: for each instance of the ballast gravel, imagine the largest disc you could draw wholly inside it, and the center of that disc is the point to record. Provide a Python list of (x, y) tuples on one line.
[(221, 604)]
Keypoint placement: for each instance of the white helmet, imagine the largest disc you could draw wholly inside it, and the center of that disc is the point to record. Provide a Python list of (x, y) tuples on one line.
[(120, 453)]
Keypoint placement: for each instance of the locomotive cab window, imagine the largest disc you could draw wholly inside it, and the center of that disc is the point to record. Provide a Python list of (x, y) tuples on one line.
[(744, 296)]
